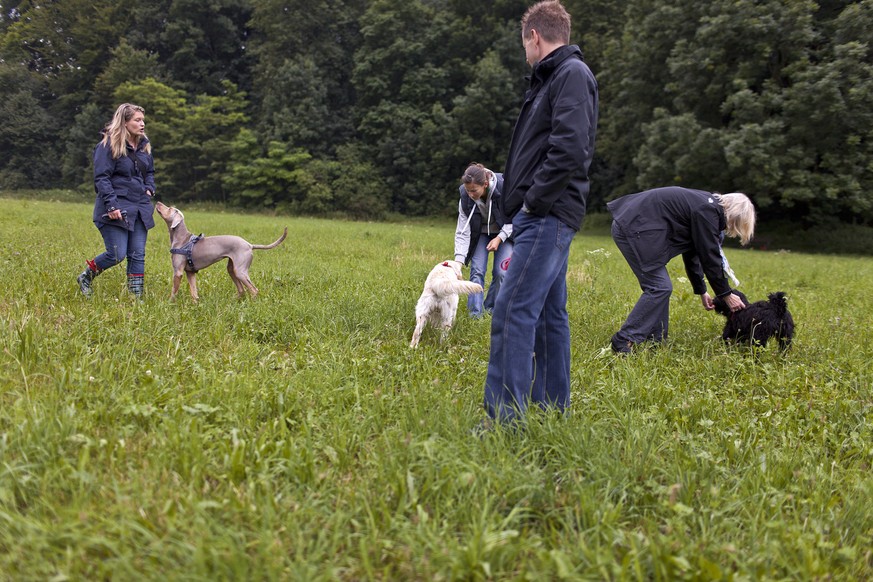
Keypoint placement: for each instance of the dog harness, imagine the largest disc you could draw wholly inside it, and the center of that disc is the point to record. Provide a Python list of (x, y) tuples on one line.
[(186, 250)]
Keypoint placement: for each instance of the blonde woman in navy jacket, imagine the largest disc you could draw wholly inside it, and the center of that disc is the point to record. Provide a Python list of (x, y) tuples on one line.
[(652, 227), (124, 181)]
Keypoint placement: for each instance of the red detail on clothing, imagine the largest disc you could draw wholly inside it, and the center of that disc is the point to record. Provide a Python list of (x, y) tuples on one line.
[(135, 274), (504, 266), (93, 266), (446, 264)]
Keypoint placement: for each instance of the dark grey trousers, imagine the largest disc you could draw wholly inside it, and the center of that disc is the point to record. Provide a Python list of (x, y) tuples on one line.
[(649, 319)]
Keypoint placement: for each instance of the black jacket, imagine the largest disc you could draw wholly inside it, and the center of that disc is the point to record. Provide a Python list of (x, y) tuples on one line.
[(553, 141), (665, 222)]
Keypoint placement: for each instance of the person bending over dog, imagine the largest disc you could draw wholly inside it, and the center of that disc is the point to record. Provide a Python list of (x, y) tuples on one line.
[(652, 227), (124, 180), (482, 229)]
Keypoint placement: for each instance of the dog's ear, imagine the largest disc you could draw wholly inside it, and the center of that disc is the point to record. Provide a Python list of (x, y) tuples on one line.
[(179, 217)]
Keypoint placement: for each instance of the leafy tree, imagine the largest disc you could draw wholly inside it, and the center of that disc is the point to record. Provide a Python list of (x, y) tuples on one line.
[(275, 179), (370, 106), (772, 98), (126, 64), (83, 136), (632, 82), (199, 43), (357, 185), (295, 107), (205, 44), (210, 129), (304, 53), (484, 113), (26, 130), (416, 64), (828, 114), (66, 42), (58, 48)]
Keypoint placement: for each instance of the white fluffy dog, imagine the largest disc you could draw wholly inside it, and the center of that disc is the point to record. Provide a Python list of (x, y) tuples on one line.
[(439, 300)]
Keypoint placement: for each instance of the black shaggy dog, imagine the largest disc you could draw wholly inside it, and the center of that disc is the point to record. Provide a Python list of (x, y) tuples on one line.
[(759, 321)]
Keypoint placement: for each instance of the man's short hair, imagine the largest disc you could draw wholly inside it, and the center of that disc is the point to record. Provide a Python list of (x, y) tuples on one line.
[(550, 19)]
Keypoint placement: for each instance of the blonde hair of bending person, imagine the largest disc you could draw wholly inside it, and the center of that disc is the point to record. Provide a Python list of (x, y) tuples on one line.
[(739, 213), (116, 134)]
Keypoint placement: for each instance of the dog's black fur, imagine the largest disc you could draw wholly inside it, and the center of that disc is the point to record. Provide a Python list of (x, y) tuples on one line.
[(759, 321)]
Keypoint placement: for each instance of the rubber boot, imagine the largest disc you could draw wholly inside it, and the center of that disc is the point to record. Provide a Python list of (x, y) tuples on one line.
[(135, 285), (85, 277)]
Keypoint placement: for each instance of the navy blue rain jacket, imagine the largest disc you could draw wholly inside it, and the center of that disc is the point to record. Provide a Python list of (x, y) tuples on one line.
[(663, 223), (553, 141), (120, 186)]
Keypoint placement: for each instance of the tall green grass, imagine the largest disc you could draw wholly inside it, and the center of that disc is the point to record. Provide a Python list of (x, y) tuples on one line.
[(296, 436)]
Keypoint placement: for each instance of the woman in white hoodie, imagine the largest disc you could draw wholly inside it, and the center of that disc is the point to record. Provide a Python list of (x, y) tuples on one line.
[(482, 229)]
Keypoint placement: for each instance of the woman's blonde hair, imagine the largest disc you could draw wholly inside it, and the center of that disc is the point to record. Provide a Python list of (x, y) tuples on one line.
[(739, 213), (115, 135)]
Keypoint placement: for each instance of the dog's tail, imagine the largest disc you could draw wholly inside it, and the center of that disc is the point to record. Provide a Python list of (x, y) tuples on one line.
[(274, 244), (777, 300), (452, 287)]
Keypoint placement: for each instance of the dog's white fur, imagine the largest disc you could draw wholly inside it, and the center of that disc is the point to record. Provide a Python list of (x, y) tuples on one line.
[(438, 303)]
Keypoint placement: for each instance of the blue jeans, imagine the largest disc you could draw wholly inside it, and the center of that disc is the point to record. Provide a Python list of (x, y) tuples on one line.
[(530, 328), (650, 317), (478, 267), (122, 243)]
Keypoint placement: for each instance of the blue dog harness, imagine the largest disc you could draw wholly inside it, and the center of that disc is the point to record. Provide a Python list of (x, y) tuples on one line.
[(186, 250)]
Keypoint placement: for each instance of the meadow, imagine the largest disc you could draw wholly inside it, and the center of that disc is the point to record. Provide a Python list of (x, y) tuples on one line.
[(297, 437)]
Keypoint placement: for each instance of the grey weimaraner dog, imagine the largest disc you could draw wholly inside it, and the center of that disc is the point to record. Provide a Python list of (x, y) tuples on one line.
[(192, 253)]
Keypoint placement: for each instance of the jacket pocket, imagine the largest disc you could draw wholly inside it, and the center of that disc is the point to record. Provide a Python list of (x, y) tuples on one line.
[(651, 247)]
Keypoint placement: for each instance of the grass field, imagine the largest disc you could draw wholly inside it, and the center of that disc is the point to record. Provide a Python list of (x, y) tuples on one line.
[(297, 437)]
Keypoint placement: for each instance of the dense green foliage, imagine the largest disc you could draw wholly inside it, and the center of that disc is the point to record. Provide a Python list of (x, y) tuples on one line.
[(369, 107), (297, 437)]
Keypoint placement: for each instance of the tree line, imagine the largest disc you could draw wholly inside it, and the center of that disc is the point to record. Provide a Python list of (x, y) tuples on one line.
[(365, 108)]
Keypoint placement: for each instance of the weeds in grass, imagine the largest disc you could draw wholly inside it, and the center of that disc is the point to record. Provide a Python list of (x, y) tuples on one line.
[(295, 436)]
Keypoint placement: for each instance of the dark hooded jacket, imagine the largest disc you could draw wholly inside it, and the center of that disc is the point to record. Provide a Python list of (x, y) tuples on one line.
[(665, 222), (553, 141), (119, 185)]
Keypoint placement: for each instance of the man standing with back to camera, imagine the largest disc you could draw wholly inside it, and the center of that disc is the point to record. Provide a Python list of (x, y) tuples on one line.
[(546, 188)]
